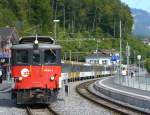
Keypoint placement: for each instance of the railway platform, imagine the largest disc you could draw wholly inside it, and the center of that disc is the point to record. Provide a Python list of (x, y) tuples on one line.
[(134, 98), (5, 86)]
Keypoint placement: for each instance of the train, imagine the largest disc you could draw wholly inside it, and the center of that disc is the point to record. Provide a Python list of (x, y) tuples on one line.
[(74, 71), (36, 70)]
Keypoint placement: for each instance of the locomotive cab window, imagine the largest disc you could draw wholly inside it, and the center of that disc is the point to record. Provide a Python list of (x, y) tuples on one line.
[(36, 57), (50, 56), (21, 57)]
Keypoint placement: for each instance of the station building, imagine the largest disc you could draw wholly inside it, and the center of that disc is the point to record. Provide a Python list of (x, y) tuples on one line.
[(103, 57), (98, 58), (8, 36)]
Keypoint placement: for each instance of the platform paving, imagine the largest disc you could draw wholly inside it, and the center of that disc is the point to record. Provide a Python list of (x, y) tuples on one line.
[(132, 97), (5, 86), (142, 82), (111, 83)]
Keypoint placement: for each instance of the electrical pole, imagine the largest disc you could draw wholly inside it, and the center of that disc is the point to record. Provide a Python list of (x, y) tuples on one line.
[(114, 28), (64, 19), (70, 55), (65, 56), (120, 43), (120, 50)]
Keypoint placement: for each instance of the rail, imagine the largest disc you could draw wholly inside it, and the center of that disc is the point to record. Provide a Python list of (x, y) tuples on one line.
[(83, 90), (31, 110)]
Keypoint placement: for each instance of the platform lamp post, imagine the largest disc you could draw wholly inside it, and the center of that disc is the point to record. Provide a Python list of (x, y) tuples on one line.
[(128, 55), (139, 58), (55, 28)]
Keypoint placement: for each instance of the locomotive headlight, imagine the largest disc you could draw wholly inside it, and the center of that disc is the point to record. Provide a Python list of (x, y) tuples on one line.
[(52, 78), (36, 41), (20, 78)]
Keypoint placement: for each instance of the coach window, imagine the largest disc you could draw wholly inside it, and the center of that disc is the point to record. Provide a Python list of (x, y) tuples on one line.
[(50, 56), (21, 56), (36, 57)]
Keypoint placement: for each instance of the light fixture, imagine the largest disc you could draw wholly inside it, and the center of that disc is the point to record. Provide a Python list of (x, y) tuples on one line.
[(52, 78)]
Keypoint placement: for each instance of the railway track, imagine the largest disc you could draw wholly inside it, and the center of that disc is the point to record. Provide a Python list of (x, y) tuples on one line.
[(82, 89), (46, 110)]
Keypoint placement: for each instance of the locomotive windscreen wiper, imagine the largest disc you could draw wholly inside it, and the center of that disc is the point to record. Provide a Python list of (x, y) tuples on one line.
[(53, 52)]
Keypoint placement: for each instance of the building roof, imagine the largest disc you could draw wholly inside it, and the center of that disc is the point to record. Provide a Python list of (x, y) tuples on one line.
[(98, 55), (6, 32), (9, 33)]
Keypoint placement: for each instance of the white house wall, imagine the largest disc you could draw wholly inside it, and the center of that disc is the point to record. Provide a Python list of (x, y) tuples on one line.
[(100, 60)]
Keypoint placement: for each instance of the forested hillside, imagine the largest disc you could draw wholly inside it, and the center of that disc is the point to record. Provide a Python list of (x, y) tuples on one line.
[(100, 18), (94, 19)]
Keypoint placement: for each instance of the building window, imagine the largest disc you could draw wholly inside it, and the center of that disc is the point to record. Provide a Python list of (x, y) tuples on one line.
[(104, 61), (91, 61), (96, 61)]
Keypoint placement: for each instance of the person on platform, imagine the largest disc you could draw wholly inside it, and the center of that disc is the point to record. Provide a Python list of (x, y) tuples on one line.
[(132, 74), (124, 74)]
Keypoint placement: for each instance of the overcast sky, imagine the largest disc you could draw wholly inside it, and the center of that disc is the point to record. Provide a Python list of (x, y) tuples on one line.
[(139, 4)]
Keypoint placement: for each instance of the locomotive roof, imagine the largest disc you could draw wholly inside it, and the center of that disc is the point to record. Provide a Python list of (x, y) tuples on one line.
[(31, 46), (41, 39)]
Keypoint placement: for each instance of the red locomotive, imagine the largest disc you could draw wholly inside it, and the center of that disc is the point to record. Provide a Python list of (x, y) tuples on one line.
[(36, 70)]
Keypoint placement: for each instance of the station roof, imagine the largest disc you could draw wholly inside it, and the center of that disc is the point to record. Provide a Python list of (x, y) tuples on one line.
[(9, 33)]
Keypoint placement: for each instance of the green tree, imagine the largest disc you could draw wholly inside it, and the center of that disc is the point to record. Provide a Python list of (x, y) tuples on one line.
[(39, 14), (147, 64)]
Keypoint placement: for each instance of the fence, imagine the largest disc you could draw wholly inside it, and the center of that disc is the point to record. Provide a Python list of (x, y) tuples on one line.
[(139, 81)]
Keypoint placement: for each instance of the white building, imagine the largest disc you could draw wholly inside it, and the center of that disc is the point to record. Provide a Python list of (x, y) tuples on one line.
[(99, 58), (146, 41)]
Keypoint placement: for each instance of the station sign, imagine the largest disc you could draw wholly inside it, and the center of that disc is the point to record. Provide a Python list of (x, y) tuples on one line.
[(115, 58)]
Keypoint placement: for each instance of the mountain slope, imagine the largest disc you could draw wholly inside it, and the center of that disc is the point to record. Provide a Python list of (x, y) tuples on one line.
[(141, 25)]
